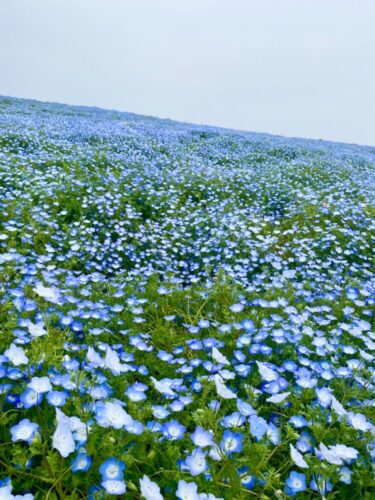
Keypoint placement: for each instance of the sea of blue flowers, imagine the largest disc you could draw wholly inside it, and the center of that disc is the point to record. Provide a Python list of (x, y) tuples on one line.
[(185, 312)]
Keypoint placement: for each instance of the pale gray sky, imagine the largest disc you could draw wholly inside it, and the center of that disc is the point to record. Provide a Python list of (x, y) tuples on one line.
[(292, 67)]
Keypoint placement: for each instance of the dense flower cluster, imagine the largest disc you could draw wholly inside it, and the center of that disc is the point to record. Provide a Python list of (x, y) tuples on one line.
[(185, 312)]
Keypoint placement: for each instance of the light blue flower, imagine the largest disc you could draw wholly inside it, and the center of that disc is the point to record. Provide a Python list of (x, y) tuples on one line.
[(258, 426), (81, 463), (173, 430), (231, 442), (196, 462), (112, 469), (24, 431), (295, 483)]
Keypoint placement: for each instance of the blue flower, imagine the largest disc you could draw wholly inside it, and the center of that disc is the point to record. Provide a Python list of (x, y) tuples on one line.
[(24, 431), (173, 430), (196, 462), (82, 462), (202, 438), (295, 483), (30, 398), (258, 426), (231, 442), (57, 398), (112, 469)]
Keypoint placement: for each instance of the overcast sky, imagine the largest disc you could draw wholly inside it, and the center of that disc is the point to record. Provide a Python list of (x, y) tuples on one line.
[(293, 67)]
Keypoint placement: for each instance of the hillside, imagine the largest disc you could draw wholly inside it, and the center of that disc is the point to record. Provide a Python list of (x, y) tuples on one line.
[(184, 310)]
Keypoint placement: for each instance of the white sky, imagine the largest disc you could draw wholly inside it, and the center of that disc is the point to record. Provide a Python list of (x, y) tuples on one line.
[(292, 67)]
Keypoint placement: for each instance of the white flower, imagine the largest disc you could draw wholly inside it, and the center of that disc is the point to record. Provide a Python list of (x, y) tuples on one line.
[(336, 454), (266, 373), (329, 455), (338, 407), (114, 487), (16, 355), (164, 386), (149, 489), (346, 453), (36, 329), (297, 457), (278, 398), (112, 362), (50, 294), (359, 421), (111, 414), (218, 357), (63, 439), (222, 389), (40, 384), (187, 491)]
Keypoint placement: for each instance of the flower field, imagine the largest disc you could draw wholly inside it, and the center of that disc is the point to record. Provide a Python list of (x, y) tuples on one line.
[(185, 312)]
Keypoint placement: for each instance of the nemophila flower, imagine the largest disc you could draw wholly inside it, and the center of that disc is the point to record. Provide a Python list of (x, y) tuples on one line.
[(202, 438), (149, 489), (111, 414), (57, 398), (222, 390), (305, 442), (233, 420), (278, 398), (273, 434), (196, 462), (114, 486), (266, 372), (16, 355), (36, 329), (187, 491), (247, 479), (30, 398), (177, 406), (164, 386), (328, 454), (345, 475), (295, 483), (24, 431), (50, 294), (112, 469), (298, 421), (218, 357), (245, 408), (81, 463), (203, 323), (236, 308), (258, 426), (242, 370), (134, 427), (63, 439), (173, 430), (160, 412), (135, 393), (324, 396), (359, 421), (297, 457), (231, 442), (40, 384)]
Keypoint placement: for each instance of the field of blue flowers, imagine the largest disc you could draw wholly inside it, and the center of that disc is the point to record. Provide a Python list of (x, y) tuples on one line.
[(185, 312)]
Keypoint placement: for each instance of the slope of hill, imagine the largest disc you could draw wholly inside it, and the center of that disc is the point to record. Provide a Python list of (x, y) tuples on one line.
[(185, 311)]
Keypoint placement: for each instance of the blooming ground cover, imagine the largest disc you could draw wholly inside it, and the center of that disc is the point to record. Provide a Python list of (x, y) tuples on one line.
[(185, 312)]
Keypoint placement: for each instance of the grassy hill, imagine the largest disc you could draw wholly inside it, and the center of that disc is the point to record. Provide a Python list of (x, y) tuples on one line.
[(185, 311)]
